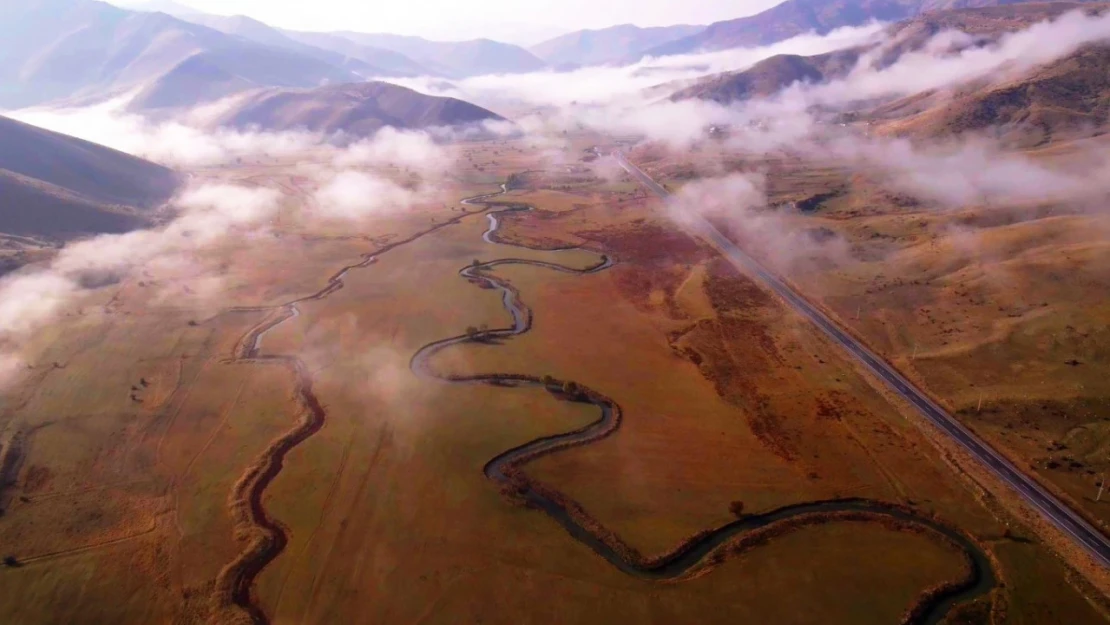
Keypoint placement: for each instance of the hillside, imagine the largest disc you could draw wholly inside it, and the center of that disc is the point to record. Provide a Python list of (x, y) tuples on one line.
[(776, 73), (457, 59), (354, 109), (56, 186), (617, 44), (769, 76), (1062, 100)]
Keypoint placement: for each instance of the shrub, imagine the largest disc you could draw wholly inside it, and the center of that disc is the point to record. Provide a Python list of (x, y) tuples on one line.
[(737, 509)]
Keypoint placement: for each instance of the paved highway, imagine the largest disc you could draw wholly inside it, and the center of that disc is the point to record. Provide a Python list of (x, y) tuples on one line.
[(1053, 509)]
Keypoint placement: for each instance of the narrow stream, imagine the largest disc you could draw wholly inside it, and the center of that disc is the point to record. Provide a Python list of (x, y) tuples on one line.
[(692, 555)]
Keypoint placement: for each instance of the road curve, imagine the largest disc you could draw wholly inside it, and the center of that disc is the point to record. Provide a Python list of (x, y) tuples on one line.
[(1051, 507)]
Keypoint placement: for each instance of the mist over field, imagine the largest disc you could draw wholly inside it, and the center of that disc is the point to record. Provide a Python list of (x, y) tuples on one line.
[(346, 184), (630, 99)]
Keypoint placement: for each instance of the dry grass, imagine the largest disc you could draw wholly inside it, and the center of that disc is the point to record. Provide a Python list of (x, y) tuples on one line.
[(387, 511), (997, 302)]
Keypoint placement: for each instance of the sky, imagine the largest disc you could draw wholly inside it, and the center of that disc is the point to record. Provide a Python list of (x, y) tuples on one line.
[(516, 21)]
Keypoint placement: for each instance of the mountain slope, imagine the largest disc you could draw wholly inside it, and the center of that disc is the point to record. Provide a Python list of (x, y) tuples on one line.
[(51, 49), (796, 17), (356, 109), (778, 72), (609, 45), (457, 59), (1061, 100), (56, 186)]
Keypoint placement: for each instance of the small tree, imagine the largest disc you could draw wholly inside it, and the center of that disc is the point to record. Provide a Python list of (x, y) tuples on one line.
[(11, 561), (737, 509), (548, 381), (471, 332), (475, 263)]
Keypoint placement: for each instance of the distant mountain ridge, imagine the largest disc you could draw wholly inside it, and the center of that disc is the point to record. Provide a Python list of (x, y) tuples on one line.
[(617, 44), (454, 59), (797, 17)]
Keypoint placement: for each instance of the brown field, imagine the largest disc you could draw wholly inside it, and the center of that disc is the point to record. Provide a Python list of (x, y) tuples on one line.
[(134, 442), (997, 304)]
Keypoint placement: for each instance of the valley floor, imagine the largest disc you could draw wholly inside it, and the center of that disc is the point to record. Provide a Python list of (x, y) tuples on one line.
[(133, 444)]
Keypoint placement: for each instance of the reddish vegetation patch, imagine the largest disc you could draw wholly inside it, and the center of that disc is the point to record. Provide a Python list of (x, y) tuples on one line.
[(730, 291), (534, 229), (734, 354), (650, 244), (37, 479), (638, 285), (834, 406), (653, 260)]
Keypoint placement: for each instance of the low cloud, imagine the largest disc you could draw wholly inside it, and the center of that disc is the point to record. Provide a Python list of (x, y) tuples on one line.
[(737, 203), (609, 84), (942, 63), (173, 143), (210, 214)]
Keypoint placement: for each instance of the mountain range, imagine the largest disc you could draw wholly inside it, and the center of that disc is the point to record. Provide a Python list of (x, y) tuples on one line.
[(797, 17)]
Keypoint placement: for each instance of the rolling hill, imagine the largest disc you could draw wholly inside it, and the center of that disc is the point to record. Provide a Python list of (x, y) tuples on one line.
[(1066, 99), (618, 44), (355, 109), (769, 76), (57, 187)]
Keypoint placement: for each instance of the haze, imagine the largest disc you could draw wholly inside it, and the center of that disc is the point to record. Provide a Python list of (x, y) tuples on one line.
[(514, 21)]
